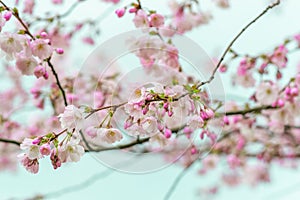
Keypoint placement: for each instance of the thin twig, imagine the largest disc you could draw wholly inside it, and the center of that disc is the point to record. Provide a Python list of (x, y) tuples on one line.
[(177, 181), (246, 111), (10, 141), (57, 81), (234, 39), (123, 146), (16, 14), (60, 16)]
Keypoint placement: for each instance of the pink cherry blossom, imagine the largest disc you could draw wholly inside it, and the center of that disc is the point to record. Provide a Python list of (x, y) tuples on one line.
[(41, 48), (29, 164), (141, 19), (26, 64), (110, 135), (279, 56), (156, 20), (267, 93), (45, 149), (72, 151), (71, 118)]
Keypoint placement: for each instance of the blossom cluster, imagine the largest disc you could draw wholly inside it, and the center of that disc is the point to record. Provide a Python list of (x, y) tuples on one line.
[(176, 112)]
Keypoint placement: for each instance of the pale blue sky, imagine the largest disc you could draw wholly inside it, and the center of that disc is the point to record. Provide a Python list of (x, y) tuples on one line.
[(213, 38)]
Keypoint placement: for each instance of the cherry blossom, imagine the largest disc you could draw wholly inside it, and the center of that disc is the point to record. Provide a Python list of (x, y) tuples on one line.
[(267, 93), (71, 118)]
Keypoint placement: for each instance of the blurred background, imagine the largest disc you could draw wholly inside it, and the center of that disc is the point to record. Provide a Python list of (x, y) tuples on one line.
[(89, 179)]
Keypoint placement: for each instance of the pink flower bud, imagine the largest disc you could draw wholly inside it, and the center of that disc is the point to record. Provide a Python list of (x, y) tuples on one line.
[(88, 40), (7, 15), (36, 141), (57, 1), (145, 110), (35, 92), (287, 91), (46, 75), (43, 34), (132, 10), (166, 106), (280, 103), (223, 68), (226, 120), (294, 91), (193, 151), (40, 103), (59, 51), (170, 113), (202, 134), (168, 133), (210, 113), (187, 130), (39, 71), (120, 12)]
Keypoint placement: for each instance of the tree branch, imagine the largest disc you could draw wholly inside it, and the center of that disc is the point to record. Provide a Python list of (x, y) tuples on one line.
[(16, 14), (177, 181), (57, 81), (10, 141), (246, 111), (234, 40)]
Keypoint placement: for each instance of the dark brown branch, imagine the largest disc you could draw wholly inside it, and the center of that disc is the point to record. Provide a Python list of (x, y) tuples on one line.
[(16, 15), (234, 40), (114, 107), (122, 146), (246, 111), (10, 141), (60, 16), (57, 81)]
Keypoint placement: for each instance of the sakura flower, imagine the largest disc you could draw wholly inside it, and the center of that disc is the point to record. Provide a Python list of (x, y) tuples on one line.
[(138, 95), (31, 165), (10, 43), (41, 48), (246, 80), (26, 64), (71, 151), (150, 125), (31, 149), (267, 93), (279, 56), (45, 149), (72, 118), (141, 19), (39, 71), (159, 139), (110, 135), (156, 20)]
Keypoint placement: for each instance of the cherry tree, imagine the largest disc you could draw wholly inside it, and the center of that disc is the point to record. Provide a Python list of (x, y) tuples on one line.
[(173, 104)]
